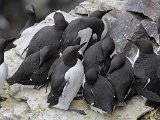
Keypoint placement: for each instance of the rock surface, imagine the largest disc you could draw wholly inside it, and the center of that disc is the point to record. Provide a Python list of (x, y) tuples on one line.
[(27, 103), (147, 7), (123, 28), (151, 28)]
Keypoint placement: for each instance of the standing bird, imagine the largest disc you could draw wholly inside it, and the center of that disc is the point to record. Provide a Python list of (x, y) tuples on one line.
[(32, 19), (98, 55), (70, 34), (49, 35), (146, 68), (98, 92), (121, 76), (99, 14), (3, 66), (34, 69), (66, 75)]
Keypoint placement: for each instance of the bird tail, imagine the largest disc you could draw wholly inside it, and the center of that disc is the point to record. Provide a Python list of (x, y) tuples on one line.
[(144, 92)]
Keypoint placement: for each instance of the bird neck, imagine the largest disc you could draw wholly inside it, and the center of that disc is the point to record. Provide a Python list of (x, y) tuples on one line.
[(1, 56), (61, 26), (73, 62), (32, 18), (146, 51)]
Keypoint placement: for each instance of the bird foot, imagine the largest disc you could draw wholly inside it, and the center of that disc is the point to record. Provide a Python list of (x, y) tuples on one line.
[(38, 87), (81, 112), (78, 98), (2, 99)]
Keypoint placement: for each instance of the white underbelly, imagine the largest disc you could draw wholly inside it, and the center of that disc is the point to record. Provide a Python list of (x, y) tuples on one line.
[(85, 35), (106, 26), (28, 31), (3, 74), (98, 110), (84, 81), (74, 76)]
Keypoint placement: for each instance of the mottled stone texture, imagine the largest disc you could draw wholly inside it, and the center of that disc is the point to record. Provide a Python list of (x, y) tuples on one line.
[(122, 29), (146, 7), (151, 28)]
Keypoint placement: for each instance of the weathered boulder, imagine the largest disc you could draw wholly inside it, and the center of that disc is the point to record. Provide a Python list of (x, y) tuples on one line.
[(123, 28), (151, 28), (146, 7)]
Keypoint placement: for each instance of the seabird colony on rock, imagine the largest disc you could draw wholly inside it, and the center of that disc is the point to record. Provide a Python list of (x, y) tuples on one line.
[(79, 54)]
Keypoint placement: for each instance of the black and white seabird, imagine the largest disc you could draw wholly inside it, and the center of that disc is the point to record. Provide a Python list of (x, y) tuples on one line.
[(147, 71), (98, 92), (66, 75), (34, 69), (49, 35), (92, 24), (32, 19), (98, 55), (121, 76)]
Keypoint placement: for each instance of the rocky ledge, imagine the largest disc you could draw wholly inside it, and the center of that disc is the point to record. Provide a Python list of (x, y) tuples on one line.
[(27, 103)]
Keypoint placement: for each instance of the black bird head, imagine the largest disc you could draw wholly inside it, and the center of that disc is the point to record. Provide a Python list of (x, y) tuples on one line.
[(141, 40), (108, 46), (4, 43), (91, 76), (145, 46), (30, 10), (71, 54), (117, 62), (99, 14), (60, 21)]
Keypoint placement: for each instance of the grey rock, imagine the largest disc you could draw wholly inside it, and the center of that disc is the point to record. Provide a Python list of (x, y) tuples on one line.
[(111, 16), (118, 4), (146, 7), (20, 111), (39, 108), (85, 8), (151, 28), (8, 116), (140, 33), (123, 28), (131, 50), (157, 1)]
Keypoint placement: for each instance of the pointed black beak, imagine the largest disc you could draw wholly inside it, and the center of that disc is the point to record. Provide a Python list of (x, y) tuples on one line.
[(11, 39), (130, 40), (30, 9), (9, 44), (2, 99), (109, 10), (78, 47), (9, 81), (82, 45), (99, 14), (105, 12)]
